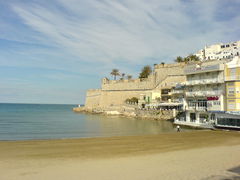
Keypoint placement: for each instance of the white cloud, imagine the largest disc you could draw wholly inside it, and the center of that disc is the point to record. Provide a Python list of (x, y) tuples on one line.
[(130, 31), (71, 38)]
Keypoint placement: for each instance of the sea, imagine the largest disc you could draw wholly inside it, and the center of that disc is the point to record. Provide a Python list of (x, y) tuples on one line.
[(51, 121)]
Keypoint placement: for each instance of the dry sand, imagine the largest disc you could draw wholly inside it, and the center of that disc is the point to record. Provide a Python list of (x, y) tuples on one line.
[(185, 155)]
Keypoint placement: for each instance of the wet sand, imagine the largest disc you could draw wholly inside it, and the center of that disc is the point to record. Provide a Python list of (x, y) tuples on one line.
[(184, 155)]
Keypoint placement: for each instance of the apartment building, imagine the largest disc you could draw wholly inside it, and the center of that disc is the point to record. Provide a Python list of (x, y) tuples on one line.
[(204, 93), (232, 79), (219, 51), (212, 94)]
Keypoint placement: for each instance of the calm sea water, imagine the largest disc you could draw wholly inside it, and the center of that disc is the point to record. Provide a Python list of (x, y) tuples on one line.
[(41, 121)]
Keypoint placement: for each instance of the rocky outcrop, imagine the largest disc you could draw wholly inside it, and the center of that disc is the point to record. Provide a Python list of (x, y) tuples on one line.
[(129, 111)]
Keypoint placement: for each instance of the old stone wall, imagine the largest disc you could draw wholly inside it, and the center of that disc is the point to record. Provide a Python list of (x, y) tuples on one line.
[(162, 71), (171, 81), (110, 98), (133, 84), (115, 92), (93, 97), (101, 99)]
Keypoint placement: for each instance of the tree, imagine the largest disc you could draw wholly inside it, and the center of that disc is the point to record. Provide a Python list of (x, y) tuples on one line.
[(193, 57), (146, 71), (127, 100), (115, 73), (179, 59), (129, 77), (162, 63), (187, 59), (132, 100)]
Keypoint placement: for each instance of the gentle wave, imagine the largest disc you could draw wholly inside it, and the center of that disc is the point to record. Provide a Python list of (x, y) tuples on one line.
[(45, 121)]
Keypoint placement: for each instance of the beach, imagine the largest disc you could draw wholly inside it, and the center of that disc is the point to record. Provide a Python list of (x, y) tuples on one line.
[(185, 155)]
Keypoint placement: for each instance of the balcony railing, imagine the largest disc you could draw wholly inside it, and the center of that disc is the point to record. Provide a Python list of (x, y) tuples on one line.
[(198, 108), (204, 93), (193, 69), (205, 81)]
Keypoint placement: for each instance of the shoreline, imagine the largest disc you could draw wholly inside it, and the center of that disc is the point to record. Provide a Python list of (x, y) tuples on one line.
[(127, 111), (158, 143), (169, 155)]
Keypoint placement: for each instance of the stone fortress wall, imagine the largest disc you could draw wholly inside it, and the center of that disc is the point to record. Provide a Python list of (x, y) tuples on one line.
[(117, 98), (132, 84), (93, 97), (115, 92), (170, 80), (162, 71)]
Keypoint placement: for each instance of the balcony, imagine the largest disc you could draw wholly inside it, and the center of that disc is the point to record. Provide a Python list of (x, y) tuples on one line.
[(197, 108), (205, 81), (204, 93), (193, 69)]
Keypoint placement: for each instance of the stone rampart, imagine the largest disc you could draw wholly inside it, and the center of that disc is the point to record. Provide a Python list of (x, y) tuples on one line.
[(115, 92), (110, 98), (171, 81), (134, 84), (162, 71), (93, 98)]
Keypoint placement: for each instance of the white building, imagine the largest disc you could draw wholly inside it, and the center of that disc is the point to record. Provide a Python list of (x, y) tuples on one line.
[(219, 51), (204, 93)]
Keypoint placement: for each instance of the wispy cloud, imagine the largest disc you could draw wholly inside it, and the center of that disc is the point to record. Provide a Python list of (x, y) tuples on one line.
[(55, 42), (131, 31)]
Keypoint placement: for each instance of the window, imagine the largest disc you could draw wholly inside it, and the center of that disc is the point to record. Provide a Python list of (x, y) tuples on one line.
[(232, 71), (202, 103), (209, 104), (216, 103), (192, 117), (231, 90)]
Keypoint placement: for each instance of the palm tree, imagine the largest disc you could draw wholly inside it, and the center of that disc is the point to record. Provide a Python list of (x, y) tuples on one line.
[(146, 71), (115, 73), (162, 63), (123, 75)]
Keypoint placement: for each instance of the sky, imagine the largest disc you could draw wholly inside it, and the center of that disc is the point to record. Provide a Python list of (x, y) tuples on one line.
[(52, 51)]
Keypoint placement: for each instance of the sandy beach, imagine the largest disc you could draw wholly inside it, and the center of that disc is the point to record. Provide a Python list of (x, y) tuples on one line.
[(185, 155)]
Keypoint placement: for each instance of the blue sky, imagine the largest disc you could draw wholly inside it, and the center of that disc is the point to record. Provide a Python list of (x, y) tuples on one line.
[(52, 51)]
